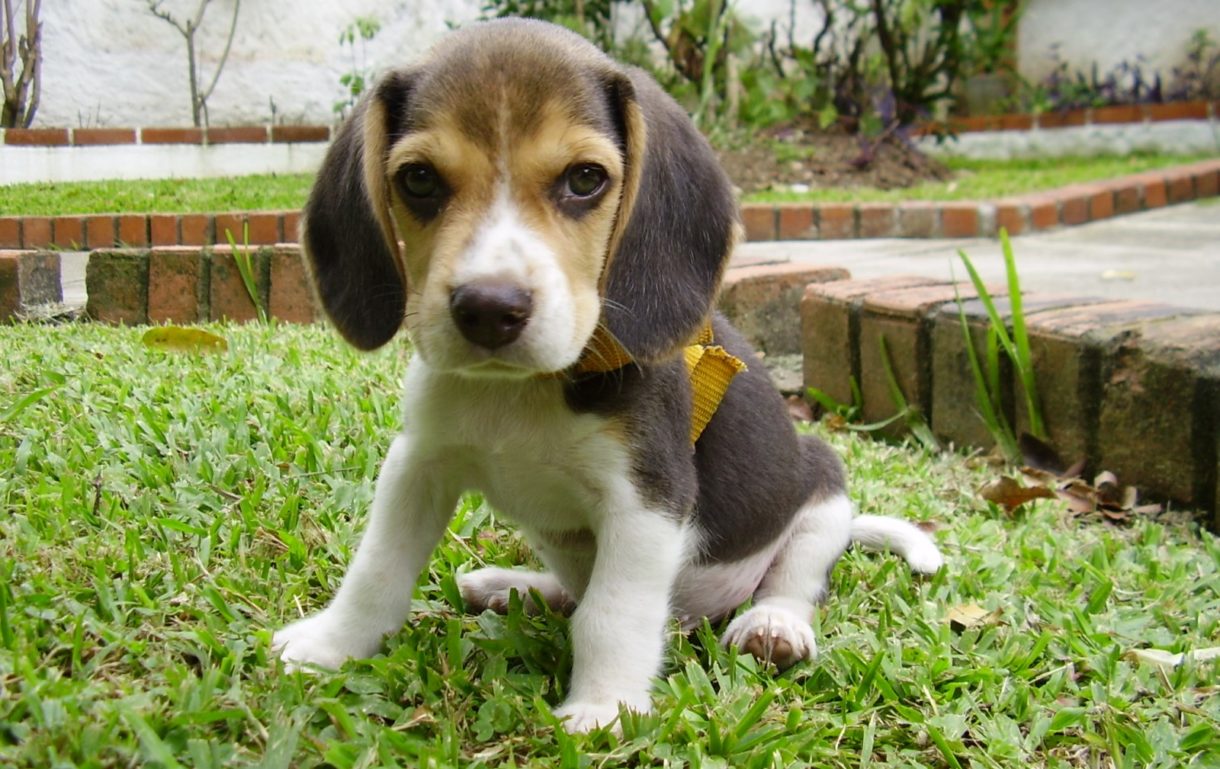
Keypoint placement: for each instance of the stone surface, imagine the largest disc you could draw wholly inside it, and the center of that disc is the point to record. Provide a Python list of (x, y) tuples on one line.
[(117, 286), (28, 279)]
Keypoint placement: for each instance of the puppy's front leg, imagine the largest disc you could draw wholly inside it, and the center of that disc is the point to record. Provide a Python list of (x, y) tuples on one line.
[(409, 513), (618, 629)]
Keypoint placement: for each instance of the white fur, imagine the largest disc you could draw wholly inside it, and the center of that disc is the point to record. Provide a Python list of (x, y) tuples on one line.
[(876, 532), (505, 249)]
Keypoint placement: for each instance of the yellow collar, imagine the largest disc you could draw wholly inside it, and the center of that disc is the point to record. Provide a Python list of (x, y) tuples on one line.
[(710, 367)]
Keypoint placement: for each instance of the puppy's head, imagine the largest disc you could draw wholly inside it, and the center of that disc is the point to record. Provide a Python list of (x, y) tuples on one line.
[(509, 194)]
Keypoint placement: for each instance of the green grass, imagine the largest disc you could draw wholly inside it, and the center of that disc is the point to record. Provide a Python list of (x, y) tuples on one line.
[(974, 179), (148, 196), (989, 179), (163, 512)]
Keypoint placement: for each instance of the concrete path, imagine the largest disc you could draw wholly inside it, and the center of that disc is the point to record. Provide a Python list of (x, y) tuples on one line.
[(1170, 255)]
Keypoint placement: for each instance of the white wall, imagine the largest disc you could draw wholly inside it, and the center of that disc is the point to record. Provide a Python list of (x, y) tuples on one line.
[(1111, 31), (111, 63)]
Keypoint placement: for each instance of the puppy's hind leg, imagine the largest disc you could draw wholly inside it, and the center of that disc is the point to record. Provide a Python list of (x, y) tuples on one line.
[(492, 587), (776, 628)]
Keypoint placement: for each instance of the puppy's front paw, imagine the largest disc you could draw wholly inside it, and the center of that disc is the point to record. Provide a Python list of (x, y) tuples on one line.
[(320, 641), (586, 716), (773, 634)]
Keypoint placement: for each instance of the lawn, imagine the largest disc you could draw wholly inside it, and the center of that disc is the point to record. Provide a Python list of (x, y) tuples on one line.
[(975, 179), (162, 512)]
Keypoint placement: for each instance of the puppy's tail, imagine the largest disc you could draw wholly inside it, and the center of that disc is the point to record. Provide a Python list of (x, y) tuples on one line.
[(876, 532)]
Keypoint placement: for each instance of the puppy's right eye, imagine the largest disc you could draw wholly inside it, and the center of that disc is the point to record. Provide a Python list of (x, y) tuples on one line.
[(422, 190), (419, 181)]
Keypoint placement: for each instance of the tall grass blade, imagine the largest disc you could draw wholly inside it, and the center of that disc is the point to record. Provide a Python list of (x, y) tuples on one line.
[(245, 268), (1023, 360)]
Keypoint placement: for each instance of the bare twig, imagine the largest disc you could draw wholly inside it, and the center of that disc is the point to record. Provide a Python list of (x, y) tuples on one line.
[(199, 99), (23, 89)]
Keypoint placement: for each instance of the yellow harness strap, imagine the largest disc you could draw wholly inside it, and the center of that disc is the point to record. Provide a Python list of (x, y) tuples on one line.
[(710, 367)]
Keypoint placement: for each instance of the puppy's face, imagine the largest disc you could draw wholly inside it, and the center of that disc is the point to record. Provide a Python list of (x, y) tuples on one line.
[(506, 231), (508, 194)]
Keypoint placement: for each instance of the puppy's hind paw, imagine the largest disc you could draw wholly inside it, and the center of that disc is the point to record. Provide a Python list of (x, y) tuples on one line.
[(772, 634), (924, 557)]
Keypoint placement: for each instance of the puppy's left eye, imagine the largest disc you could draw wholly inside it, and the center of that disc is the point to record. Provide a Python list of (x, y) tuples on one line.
[(585, 180)]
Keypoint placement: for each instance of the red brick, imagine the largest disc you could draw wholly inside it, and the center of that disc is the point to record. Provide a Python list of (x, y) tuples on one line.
[(36, 232), (1122, 113), (917, 219), (974, 123), (116, 283), (795, 221), (36, 137), (291, 226), (1073, 205), (878, 220), (759, 221), (10, 232), (300, 133), (68, 232), (1178, 110), (291, 297), (163, 229), (1207, 183), (959, 220), (763, 301), (1011, 216), (264, 228), (228, 297), (1101, 203), (1156, 194), (1043, 211), (836, 221), (10, 285), (28, 279), (87, 137), (99, 231), (133, 230), (827, 311), (171, 135), (1016, 122), (196, 229), (1075, 117), (230, 224), (177, 282), (1180, 186), (252, 134), (1126, 197)]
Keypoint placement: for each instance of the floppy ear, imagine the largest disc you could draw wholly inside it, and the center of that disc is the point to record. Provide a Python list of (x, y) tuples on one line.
[(676, 226), (347, 234)]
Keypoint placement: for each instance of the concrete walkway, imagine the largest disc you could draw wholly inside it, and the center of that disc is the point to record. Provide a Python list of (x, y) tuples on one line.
[(1169, 255)]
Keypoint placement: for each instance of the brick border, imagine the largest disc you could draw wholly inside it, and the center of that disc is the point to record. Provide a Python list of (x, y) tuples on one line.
[(1113, 115), (1032, 212), (93, 137), (1131, 387)]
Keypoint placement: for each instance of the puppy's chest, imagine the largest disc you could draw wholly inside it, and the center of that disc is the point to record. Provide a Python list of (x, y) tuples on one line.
[(531, 456)]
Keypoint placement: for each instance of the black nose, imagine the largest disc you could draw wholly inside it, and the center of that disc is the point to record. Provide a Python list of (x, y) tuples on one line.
[(490, 314)]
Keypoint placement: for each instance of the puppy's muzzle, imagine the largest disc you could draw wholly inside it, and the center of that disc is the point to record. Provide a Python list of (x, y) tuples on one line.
[(490, 314)]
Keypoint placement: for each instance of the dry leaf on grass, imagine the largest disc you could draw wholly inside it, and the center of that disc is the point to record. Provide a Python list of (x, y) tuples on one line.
[(966, 616), (178, 339), (1007, 492), (1168, 659)]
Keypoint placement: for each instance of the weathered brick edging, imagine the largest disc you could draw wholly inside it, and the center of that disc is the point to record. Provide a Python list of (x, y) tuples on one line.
[(1114, 115), (1066, 206), (1132, 387), (94, 137)]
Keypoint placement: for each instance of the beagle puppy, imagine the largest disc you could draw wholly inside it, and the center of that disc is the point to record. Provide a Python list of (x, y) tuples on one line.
[(551, 230)]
